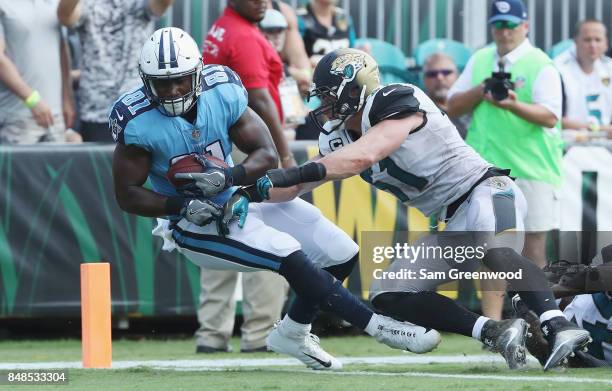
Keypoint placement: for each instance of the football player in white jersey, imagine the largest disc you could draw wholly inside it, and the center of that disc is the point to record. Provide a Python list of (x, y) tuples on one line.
[(186, 108), (398, 140)]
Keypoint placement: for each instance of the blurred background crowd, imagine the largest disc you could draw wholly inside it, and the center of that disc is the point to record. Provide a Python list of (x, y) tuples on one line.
[(63, 63)]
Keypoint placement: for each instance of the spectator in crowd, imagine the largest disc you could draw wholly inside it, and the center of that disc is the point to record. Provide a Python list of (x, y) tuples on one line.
[(586, 74), (518, 130), (274, 27), (261, 70), (111, 35), (324, 28), (35, 91), (439, 74), (258, 64), (293, 51)]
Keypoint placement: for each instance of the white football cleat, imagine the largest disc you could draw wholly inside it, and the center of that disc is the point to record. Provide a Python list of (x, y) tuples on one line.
[(306, 349), (406, 336)]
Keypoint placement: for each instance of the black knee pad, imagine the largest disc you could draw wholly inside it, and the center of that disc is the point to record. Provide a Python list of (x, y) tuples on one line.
[(508, 260), (343, 270)]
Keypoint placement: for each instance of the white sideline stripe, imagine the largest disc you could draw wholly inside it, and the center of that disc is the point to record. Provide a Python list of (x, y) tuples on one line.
[(255, 364), (258, 362)]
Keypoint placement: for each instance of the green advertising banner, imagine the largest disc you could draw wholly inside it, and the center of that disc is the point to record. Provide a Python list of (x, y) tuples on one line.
[(58, 210)]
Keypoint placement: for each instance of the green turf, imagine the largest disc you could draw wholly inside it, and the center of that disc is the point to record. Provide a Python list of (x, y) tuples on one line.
[(389, 377), (70, 350), (288, 379)]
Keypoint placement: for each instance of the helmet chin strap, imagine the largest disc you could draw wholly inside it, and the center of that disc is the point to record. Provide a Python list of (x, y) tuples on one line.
[(341, 88), (362, 97)]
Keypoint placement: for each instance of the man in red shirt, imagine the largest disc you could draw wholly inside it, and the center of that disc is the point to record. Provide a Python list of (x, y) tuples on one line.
[(235, 41)]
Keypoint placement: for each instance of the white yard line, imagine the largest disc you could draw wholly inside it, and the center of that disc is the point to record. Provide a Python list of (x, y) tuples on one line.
[(259, 362), (239, 364)]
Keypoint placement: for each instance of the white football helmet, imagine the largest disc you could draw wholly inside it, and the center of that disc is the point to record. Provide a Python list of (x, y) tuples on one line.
[(171, 53)]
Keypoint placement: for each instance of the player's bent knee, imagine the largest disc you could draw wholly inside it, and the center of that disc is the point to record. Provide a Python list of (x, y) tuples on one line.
[(305, 278), (343, 248), (342, 270), (502, 259), (527, 275)]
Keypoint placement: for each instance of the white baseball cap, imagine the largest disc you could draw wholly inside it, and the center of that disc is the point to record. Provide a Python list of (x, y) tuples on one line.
[(273, 20)]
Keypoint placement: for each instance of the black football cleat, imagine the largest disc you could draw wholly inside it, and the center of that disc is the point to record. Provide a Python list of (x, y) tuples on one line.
[(536, 343), (507, 337), (564, 339)]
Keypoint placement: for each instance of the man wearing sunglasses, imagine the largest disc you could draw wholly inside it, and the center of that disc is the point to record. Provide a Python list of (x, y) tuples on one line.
[(439, 74), (520, 132)]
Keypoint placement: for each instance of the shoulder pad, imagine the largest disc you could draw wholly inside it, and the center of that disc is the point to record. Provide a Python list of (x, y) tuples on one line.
[(393, 102), (128, 107), (214, 75)]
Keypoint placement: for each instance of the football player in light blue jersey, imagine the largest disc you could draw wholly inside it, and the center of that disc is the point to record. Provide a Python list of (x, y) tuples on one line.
[(136, 121), (184, 108)]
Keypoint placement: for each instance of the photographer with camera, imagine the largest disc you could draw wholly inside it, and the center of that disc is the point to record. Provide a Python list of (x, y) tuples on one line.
[(514, 94)]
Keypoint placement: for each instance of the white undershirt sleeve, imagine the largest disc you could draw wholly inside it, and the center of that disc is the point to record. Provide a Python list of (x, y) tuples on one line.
[(547, 90), (464, 82)]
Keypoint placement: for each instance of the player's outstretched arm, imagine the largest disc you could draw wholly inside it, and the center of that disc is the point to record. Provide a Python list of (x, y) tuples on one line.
[(130, 171), (379, 142), (250, 134)]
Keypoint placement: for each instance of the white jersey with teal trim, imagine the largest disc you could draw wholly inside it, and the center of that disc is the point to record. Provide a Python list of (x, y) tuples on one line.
[(134, 120), (593, 312), (432, 168), (588, 97)]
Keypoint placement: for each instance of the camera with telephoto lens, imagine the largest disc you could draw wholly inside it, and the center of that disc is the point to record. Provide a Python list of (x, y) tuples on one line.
[(499, 83)]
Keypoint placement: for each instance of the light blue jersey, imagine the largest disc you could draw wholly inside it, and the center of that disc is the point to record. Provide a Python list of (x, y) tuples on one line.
[(134, 120)]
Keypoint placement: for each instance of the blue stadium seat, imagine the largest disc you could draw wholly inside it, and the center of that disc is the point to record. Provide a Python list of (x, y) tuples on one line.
[(456, 50), (560, 47), (391, 60)]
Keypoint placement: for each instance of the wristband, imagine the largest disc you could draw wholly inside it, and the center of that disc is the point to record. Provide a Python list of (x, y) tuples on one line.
[(32, 100), (174, 205), (309, 172), (312, 172), (238, 173), (251, 193)]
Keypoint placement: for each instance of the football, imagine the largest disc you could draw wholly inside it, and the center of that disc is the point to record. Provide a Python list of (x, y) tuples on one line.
[(191, 163)]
